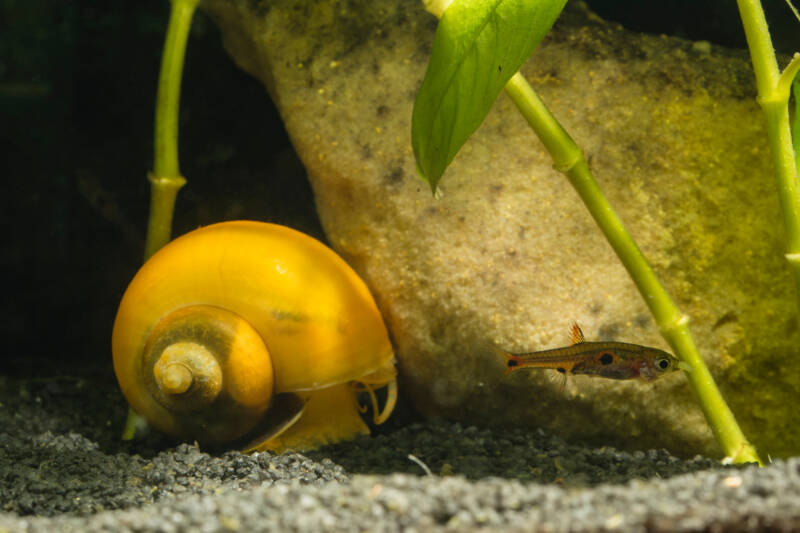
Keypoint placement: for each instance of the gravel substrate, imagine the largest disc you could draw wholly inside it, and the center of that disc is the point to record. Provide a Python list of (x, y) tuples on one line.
[(62, 468)]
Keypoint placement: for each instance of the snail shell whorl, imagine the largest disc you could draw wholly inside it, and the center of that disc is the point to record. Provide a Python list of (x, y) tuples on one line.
[(183, 366), (201, 361)]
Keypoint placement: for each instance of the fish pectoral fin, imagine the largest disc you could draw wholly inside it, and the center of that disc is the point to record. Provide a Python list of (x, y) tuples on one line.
[(576, 334), (563, 381)]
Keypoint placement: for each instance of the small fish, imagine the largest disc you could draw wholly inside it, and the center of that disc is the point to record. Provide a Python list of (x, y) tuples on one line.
[(613, 360)]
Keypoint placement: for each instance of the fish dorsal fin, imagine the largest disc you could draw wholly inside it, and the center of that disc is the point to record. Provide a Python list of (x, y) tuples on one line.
[(576, 333)]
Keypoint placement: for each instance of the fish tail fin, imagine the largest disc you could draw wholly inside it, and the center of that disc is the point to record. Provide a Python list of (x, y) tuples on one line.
[(491, 351), (486, 362), (510, 361)]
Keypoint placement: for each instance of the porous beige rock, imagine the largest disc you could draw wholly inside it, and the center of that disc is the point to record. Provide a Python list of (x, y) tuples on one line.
[(509, 253)]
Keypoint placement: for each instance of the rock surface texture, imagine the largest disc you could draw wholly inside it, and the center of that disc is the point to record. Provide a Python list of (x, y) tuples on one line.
[(508, 253)]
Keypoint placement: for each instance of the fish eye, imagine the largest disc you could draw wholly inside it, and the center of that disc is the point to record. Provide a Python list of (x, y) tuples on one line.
[(606, 358), (662, 363)]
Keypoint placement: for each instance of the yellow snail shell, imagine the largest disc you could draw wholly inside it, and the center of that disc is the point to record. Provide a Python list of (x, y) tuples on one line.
[(254, 332)]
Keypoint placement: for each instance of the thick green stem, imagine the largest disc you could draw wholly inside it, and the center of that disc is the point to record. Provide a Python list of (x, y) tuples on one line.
[(166, 179), (773, 96), (569, 159)]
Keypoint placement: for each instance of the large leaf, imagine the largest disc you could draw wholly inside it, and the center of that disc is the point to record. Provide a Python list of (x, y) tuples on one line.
[(478, 46)]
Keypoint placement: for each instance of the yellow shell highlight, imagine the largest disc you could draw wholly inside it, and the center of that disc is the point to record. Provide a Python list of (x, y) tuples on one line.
[(316, 317)]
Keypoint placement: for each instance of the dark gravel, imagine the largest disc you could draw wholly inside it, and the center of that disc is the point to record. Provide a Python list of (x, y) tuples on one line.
[(62, 468)]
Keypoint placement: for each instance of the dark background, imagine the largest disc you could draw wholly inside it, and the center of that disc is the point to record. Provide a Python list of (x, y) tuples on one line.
[(77, 89)]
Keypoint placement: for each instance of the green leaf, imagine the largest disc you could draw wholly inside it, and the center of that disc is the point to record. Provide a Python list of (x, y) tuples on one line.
[(478, 46)]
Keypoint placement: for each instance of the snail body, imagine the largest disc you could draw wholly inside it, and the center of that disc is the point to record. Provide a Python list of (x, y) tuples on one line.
[(229, 318)]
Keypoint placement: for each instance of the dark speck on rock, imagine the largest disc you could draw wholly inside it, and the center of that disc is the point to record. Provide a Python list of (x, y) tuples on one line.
[(395, 174)]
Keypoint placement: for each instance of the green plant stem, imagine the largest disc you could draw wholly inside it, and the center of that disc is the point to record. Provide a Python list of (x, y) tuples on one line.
[(796, 122), (569, 159), (163, 192), (773, 97), (166, 179)]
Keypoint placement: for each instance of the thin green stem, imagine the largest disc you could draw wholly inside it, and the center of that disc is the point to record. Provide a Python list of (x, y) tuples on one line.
[(569, 159), (796, 122), (163, 192), (169, 88), (773, 97), (166, 179)]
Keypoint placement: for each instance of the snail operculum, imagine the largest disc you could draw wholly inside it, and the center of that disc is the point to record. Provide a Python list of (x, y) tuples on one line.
[(286, 410)]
